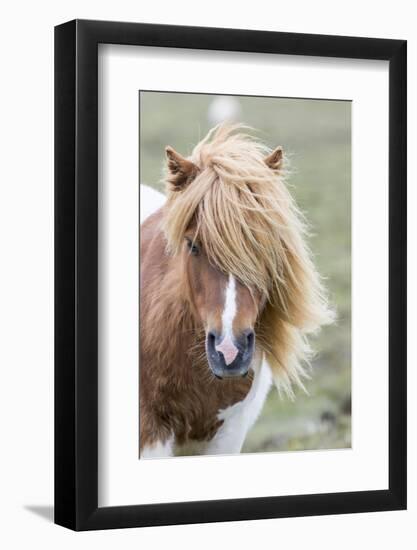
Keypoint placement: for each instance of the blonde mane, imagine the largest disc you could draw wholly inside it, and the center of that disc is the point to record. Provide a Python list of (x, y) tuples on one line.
[(249, 225)]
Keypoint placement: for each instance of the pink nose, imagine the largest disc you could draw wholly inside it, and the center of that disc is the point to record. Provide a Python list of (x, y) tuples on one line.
[(228, 349)]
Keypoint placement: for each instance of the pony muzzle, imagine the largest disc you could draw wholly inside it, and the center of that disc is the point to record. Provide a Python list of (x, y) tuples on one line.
[(229, 356)]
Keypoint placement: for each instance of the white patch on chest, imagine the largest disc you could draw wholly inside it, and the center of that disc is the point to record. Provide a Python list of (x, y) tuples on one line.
[(240, 417), (158, 450)]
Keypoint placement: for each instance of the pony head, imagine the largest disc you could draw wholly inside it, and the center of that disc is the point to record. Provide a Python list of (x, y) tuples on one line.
[(240, 238)]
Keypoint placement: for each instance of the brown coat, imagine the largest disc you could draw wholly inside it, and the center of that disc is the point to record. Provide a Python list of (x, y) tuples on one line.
[(178, 395)]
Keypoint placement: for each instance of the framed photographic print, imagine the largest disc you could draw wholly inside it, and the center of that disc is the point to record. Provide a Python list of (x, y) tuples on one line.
[(230, 252)]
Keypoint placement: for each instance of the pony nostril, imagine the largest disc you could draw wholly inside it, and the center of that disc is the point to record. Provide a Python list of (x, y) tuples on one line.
[(211, 345), (211, 339), (250, 339)]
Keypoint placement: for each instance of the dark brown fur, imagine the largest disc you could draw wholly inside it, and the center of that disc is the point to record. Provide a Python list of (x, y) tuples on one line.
[(179, 396)]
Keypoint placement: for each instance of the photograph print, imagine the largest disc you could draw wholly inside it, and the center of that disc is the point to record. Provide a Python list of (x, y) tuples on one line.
[(245, 274)]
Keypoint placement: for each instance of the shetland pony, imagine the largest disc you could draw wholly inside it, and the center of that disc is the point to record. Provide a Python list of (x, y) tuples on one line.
[(229, 293)]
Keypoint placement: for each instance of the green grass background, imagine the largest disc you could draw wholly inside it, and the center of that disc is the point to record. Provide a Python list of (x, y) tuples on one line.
[(316, 135)]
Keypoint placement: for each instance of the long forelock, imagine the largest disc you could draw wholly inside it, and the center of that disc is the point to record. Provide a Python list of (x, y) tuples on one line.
[(239, 208)]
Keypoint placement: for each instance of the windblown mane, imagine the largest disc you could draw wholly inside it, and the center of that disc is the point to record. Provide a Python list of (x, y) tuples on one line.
[(249, 225)]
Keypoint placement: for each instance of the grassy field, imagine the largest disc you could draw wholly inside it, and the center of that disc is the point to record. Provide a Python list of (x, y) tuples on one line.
[(316, 137)]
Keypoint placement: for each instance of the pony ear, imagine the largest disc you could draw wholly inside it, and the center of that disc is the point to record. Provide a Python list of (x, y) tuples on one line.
[(181, 171), (275, 159)]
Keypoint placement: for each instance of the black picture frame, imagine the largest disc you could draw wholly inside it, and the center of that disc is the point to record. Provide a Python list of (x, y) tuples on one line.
[(76, 273)]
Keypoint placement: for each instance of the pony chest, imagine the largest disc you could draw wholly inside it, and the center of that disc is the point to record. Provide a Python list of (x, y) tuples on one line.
[(234, 421), (198, 410), (239, 418)]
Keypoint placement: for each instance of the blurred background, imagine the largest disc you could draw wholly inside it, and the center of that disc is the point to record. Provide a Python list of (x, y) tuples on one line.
[(316, 136)]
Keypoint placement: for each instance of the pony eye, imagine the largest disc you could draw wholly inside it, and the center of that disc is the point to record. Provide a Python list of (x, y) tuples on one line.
[(192, 247)]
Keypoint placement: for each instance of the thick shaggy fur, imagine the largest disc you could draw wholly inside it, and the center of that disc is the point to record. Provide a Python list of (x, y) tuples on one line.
[(179, 396), (250, 226)]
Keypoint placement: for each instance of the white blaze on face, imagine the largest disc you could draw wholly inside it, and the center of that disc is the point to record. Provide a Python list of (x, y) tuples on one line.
[(227, 347)]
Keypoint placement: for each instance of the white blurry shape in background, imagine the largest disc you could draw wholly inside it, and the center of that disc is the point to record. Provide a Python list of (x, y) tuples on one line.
[(223, 109)]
